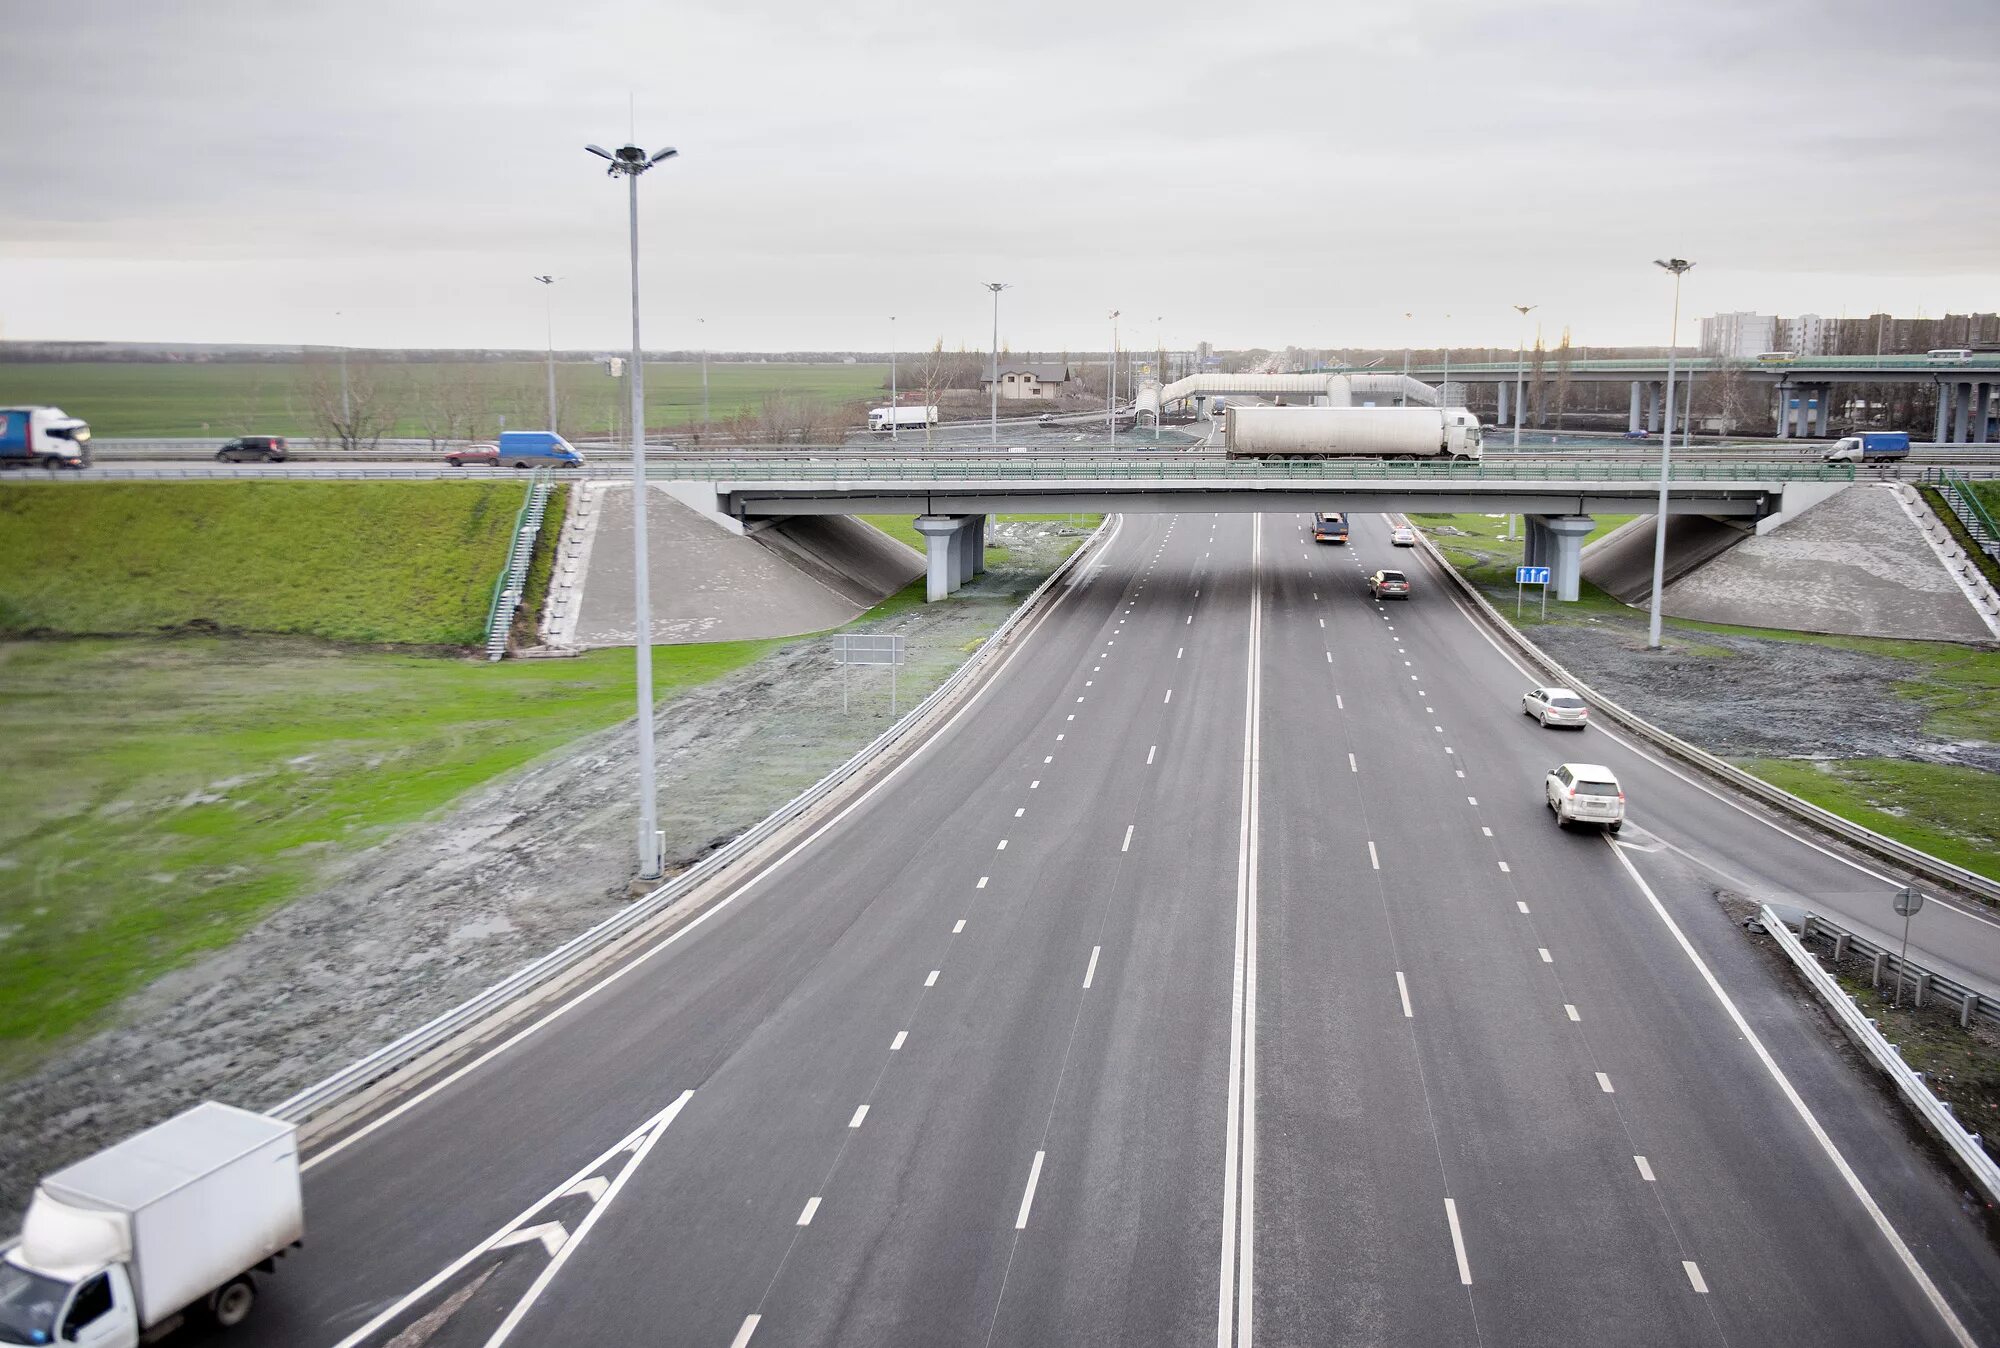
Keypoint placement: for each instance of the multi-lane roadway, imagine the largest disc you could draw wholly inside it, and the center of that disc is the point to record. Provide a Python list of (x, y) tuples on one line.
[(1215, 975)]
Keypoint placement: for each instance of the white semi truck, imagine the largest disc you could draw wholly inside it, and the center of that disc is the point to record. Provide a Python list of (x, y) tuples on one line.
[(117, 1249), (42, 437), (1351, 432), (902, 418)]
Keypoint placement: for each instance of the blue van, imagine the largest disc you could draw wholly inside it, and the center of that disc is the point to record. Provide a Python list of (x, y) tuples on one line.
[(537, 449)]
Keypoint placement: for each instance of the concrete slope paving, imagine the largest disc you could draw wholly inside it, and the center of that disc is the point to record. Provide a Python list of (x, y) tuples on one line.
[(1855, 565), (709, 584)]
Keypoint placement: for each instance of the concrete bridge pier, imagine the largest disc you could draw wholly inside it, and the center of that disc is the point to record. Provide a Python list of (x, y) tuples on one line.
[(1556, 541), (1633, 423), (1504, 419), (1654, 404), (1982, 411), (1961, 411), (948, 544), (1784, 417), (1943, 414)]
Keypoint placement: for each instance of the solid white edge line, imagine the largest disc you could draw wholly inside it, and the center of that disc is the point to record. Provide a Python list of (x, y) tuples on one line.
[(750, 882), (1091, 972), (1860, 1190), (1403, 991), (1458, 1243), (1028, 1197)]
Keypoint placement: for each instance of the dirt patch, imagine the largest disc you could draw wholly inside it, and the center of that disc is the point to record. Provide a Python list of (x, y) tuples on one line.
[(1757, 697), (401, 932)]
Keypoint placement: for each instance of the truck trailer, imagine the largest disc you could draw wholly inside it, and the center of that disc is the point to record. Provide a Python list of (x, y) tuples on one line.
[(117, 1249), (42, 437), (902, 418), (1351, 432)]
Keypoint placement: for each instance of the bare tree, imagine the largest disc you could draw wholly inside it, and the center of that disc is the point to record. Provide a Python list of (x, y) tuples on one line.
[(788, 418), (246, 410), (354, 406)]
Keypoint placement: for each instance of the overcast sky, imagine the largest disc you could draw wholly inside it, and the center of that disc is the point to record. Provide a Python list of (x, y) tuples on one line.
[(374, 173)]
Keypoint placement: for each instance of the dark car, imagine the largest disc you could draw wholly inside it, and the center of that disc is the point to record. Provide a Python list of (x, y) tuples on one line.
[(485, 455), (255, 449), (1389, 585)]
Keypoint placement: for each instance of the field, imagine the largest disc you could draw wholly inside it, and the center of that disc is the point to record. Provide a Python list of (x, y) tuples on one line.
[(182, 788), (376, 562), (168, 399)]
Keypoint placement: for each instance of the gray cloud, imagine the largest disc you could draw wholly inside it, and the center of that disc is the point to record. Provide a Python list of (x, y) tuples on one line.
[(1264, 173)]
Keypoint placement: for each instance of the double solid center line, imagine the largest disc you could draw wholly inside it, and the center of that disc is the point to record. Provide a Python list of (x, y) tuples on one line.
[(1239, 1182)]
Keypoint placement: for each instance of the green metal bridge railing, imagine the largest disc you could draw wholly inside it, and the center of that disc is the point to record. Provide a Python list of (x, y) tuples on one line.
[(1241, 470)]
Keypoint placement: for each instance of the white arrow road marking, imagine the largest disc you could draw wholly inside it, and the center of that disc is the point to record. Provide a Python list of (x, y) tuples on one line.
[(637, 1143), (551, 1234)]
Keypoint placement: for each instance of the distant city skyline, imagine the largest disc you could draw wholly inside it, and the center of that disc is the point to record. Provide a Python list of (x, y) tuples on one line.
[(284, 175)]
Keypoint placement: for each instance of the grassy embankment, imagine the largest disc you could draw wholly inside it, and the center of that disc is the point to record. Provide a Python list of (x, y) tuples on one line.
[(1949, 811), (170, 790), (168, 399)]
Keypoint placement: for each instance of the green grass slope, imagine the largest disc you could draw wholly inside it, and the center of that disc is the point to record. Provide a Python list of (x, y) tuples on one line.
[(377, 562)]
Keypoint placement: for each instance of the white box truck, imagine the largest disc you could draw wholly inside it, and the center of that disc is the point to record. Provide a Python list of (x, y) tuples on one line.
[(902, 418), (118, 1248), (42, 437), (1351, 432)]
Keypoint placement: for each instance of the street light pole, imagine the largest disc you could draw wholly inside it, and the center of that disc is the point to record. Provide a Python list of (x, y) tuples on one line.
[(631, 161), (993, 372), (1444, 389), (549, 294), (1520, 369), (704, 374), (1679, 267), (894, 402), (1159, 374), (1403, 395), (1111, 384)]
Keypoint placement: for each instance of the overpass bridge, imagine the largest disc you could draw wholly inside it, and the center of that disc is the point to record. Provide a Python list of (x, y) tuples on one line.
[(953, 497), (1803, 386)]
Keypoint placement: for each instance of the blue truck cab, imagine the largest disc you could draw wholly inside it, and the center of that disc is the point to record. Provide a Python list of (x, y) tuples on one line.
[(1869, 447), (42, 437), (537, 449)]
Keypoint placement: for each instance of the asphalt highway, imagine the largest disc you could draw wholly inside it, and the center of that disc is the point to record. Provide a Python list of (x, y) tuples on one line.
[(1215, 975)]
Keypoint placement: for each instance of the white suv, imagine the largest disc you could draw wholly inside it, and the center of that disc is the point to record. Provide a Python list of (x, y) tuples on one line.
[(1584, 793)]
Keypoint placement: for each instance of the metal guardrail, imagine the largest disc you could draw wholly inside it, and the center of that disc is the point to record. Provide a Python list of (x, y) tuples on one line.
[(1965, 1147), (435, 1033), (1971, 511), (1971, 1002), (511, 584), (1933, 870)]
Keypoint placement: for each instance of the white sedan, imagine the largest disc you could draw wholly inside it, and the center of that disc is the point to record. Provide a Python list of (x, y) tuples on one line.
[(1404, 536), (1584, 793), (1555, 706)]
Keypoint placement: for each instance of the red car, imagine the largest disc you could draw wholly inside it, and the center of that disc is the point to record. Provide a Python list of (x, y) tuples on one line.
[(482, 455)]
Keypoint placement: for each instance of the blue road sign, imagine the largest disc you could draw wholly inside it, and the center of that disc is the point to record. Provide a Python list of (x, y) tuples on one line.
[(1531, 575)]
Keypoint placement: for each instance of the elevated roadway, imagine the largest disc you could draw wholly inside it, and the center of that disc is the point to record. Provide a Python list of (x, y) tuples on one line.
[(1215, 975)]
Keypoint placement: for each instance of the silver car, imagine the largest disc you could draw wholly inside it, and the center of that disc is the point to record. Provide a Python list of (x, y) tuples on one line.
[(1555, 706)]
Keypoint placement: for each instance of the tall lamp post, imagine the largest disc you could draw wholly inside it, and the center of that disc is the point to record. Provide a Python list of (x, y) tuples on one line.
[(894, 402), (1111, 384), (993, 372), (1679, 267), (549, 294), (1403, 396), (704, 374), (631, 161), (1159, 374), (1520, 370)]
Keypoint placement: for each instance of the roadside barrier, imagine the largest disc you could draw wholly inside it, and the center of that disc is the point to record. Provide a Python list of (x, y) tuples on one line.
[(1965, 1147), (436, 1033)]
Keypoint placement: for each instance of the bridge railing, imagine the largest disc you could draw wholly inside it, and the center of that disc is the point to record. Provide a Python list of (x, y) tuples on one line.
[(1029, 469)]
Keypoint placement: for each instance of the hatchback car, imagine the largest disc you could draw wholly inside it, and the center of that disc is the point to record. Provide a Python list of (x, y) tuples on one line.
[(255, 449), (1389, 585), (1555, 706), (1404, 537), (485, 455), (1584, 793)]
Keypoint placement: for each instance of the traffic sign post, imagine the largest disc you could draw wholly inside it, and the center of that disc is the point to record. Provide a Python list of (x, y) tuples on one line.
[(1906, 902), (850, 649), (1531, 575)]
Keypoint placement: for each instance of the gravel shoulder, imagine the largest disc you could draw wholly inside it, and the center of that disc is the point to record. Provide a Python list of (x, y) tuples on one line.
[(401, 931)]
